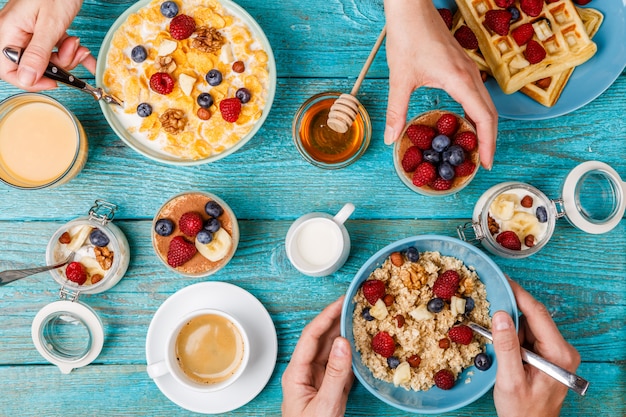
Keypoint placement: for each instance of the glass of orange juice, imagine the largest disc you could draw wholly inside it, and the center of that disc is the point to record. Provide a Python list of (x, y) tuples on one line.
[(42, 144)]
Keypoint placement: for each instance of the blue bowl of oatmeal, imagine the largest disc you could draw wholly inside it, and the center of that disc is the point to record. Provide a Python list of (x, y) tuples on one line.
[(435, 252)]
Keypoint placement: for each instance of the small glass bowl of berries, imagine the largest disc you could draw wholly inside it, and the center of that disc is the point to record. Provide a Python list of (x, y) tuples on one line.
[(437, 153)]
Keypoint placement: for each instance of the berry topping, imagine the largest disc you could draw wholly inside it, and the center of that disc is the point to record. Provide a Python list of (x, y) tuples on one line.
[(373, 290), (182, 26), (482, 361), (515, 14), (393, 362), (138, 54), (411, 159), (435, 305), (461, 334), (469, 305), (144, 110), (425, 173), (212, 225), (412, 254), (243, 94), (466, 140), (230, 109), (76, 272), (531, 7), (164, 227), (498, 21), (504, 3), (440, 143), (169, 9), (214, 77), (581, 2), (523, 33), (365, 313), (432, 156), (190, 223), (213, 209), (509, 240), (534, 52), (205, 100), (446, 15), (465, 168), (454, 155), (421, 135), (446, 284), (180, 251), (204, 236), (444, 379), (162, 83), (98, 238), (447, 124), (446, 171), (441, 185), (542, 214), (466, 38), (383, 344)]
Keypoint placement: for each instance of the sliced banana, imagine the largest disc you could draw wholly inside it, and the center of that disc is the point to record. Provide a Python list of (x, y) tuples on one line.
[(379, 310), (503, 207), (402, 375), (79, 238), (92, 266), (216, 249), (421, 313), (523, 224)]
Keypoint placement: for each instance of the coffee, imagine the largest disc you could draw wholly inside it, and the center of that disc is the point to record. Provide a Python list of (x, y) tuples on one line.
[(209, 349)]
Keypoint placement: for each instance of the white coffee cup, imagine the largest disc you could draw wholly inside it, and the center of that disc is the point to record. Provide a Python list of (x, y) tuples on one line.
[(206, 351), (318, 244)]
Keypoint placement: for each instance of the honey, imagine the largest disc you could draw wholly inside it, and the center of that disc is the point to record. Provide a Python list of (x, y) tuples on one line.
[(324, 144)]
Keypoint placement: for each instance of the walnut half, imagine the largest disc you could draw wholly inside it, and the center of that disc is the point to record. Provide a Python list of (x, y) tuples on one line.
[(173, 121), (165, 64), (207, 39)]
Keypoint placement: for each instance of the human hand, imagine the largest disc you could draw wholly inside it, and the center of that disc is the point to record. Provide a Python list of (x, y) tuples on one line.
[(319, 376), (421, 51), (522, 390), (37, 26)]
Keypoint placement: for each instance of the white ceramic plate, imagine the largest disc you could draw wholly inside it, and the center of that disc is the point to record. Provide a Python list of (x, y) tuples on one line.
[(254, 318)]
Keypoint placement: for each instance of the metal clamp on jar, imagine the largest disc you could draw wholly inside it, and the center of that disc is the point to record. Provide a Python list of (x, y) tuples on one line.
[(516, 220)]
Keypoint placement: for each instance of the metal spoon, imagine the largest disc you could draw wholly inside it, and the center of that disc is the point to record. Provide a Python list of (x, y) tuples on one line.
[(15, 274), (59, 74), (570, 380)]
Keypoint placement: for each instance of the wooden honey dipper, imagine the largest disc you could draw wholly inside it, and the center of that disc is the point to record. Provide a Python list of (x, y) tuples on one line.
[(344, 110)]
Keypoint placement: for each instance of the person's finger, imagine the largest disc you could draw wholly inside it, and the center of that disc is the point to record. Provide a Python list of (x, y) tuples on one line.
[(338, 378), (397, 106), (510, 373), (66, 51)]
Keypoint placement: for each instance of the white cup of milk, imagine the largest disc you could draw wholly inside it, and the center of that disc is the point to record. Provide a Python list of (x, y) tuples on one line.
[(318, 244)]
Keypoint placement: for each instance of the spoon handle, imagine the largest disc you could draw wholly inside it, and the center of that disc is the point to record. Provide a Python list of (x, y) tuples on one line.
[(15, 274), (570, 380)]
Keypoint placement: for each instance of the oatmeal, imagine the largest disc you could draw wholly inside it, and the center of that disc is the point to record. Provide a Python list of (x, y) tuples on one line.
[(180, 74), (407, 319)]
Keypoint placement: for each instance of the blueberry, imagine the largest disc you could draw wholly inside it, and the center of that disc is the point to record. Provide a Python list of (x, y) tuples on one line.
[(412, 254), (214, 77), (144, 110), (164, 227), (482, 361), (212, 225), (440, 143), (542, 214), (138, 54), (366, 314), (515, 15), (204, 236), (213, 209), (393, 362), (205, 100), (469, 305), (432, 156), (435, 305), (98, 238), (446, 171), (243, 94), (169, 9), (454, 155)]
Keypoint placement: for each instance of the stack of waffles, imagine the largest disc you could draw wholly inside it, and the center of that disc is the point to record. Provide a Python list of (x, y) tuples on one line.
[(560, 28)]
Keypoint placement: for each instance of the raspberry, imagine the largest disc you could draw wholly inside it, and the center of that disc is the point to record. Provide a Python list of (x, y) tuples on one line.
[(522, 34), (190, 223), (421, 135), (461, 334), (373, 290), (180, 251), (440, 184), (182, 26), (411, 159), (466, 37), (504, 3), (383, 344), (444, 379), (465, 168), (581, 2), (424, 174), (498, 21), (230, 109), (534, 52), (75, 272), (531, 7), (466, 140), (446, 15), (162, 83), (447, 124), (509, 240), (446, 284)]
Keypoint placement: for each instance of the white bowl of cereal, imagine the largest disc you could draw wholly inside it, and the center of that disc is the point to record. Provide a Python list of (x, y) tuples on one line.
[(197, 78), (404, 351)]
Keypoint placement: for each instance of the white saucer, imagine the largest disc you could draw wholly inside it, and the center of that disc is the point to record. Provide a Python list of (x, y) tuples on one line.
[(254, 318)]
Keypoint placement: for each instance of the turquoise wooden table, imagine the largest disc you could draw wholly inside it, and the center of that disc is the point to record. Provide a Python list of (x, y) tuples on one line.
[(319, 46)]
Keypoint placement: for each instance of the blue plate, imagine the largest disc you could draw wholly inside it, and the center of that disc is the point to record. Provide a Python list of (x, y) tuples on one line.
[(435, 400), (588, 80)]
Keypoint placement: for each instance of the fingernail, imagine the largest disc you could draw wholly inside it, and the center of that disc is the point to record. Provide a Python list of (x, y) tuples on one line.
[(76, 45), (501, 321), (389, 135), (26, 76), (85, 55), (339, 349)]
